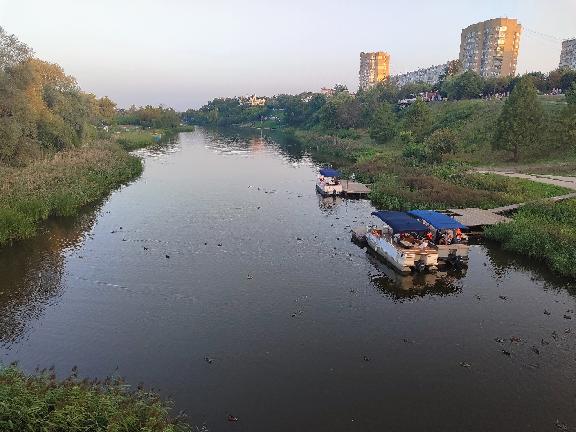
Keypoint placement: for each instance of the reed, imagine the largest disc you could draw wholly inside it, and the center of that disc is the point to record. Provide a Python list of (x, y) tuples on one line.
[(60, 185), (545, 231), (40, 402)]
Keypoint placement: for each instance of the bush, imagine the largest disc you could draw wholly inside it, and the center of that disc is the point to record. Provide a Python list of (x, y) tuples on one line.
[(43, 404), (545, 231), (60, 186)]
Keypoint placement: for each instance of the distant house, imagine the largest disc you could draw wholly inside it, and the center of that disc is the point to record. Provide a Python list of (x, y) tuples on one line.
[(255, 101)]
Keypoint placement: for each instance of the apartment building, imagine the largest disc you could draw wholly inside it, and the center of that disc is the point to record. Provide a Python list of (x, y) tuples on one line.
[(374, 68), (490, 48), (568, 55)]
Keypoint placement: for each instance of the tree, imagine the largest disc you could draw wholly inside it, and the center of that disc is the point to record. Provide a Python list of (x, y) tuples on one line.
[(571, 94), (106, 110), (567, 123), (341, 111), (383, 126), (468, 85), (440, 143), (418, 119), (521, 121), (12, 51)]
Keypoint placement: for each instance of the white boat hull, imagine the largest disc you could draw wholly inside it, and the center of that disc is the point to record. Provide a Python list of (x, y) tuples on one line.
[(328, 189), (404, 260)]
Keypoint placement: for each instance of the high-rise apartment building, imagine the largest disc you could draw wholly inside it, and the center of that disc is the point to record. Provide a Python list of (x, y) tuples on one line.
[(374, 68), (568, 55), (490, 48)]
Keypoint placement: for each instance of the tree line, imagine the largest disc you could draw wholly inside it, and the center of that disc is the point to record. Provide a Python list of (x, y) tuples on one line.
[(522, 124), (41, 108)]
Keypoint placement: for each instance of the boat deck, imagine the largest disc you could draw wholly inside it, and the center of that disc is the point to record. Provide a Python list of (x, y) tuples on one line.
[(354, 188)]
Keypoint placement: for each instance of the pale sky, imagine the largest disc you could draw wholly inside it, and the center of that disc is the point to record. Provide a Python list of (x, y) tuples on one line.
[(184, 53)]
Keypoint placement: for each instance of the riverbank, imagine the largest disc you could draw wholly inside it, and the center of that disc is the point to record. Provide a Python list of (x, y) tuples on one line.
[(42, 403), (60, 185), (400, 182), (543, 231), (135, 138)]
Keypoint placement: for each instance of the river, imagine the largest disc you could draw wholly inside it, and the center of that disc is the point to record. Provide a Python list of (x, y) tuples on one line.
[(222, 250)]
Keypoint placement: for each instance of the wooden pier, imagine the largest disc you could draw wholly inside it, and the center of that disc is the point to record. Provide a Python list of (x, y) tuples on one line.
[(475, 218), (354, 189)]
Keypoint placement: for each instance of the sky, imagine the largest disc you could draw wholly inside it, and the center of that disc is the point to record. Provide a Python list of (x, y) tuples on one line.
[(182, 53)]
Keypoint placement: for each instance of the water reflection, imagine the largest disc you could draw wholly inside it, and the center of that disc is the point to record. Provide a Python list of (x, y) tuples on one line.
[(328, 204), (32, 272), (244, 141), (504, 263), (407, 287)]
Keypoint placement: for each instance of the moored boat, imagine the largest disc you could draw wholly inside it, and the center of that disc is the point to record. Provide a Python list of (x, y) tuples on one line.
[(448, 235), (328, 182), (402, 241)]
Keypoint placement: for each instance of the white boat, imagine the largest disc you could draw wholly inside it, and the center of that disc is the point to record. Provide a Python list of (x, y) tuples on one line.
[(328, 182), (401, 241), (447, 234)]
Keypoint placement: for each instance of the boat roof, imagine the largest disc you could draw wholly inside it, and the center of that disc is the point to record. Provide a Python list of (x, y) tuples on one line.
[(330, 172), (437, 220), (400, 221)]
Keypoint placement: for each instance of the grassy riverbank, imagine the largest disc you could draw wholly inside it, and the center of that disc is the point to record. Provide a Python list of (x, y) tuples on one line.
[(400, 183), (136, 138), (60, 185), (42, 403), (544, 231)]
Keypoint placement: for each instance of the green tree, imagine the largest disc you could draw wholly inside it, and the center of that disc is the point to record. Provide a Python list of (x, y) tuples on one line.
[(341, 111), (567, 123), (571, 94), (440, 143), (418, 119), (521, 122), (468, 85), (383, 126)]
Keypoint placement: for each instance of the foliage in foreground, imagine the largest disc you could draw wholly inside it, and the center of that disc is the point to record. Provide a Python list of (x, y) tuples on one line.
[(545, 231), (60, 186), (40, 403)]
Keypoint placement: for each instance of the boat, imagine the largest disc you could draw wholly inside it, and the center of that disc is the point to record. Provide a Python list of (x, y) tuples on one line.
[(328, 182), (402, 242), (447, 235)]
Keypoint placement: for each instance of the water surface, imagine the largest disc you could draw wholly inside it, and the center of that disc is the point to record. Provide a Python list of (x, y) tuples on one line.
[(222, 249)]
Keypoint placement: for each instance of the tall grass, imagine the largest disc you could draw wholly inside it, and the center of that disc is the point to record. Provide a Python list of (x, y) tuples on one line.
[(41, 403), (140, 138), (60, 185), (545, 231)]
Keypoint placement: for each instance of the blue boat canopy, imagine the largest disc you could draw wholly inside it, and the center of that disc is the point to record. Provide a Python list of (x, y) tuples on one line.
[(330, 172), (400, 222), (437, 220)]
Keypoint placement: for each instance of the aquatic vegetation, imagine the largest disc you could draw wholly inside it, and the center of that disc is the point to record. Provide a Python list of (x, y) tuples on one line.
[(140, 138), (43, 403), (545, 231), (60, 185)]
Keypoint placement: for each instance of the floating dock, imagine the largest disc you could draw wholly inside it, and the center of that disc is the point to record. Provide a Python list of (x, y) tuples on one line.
[(354, 189), (475, 218)]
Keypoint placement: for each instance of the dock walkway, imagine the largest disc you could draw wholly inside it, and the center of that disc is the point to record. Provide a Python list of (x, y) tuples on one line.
[(477, 218), (351, 188)]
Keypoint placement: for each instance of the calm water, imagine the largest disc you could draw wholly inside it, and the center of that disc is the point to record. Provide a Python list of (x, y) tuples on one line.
[(263, 279)]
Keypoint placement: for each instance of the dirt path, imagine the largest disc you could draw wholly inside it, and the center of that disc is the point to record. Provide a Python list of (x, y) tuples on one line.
[(567, 182)]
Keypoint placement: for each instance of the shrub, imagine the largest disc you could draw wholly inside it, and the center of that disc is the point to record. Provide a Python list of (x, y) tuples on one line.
[(42, 403)]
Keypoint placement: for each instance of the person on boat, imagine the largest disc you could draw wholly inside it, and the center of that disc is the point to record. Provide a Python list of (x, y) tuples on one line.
[(458, 235)]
